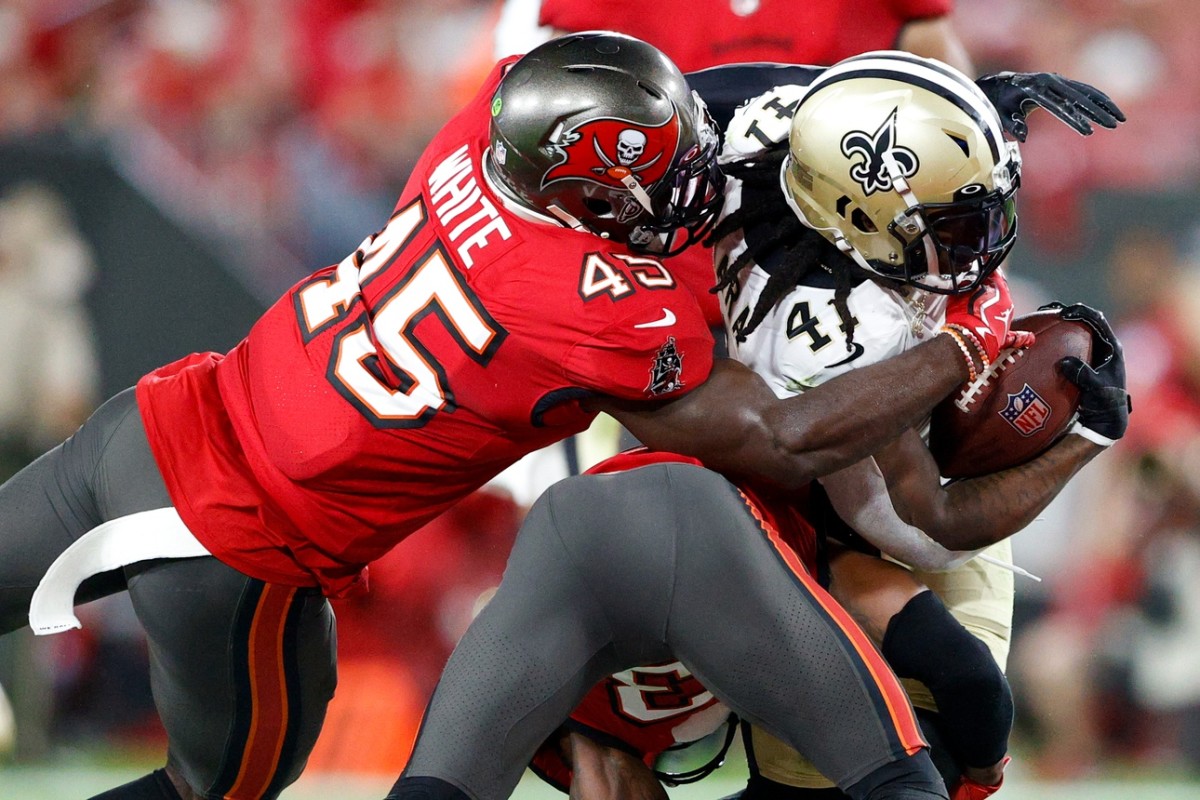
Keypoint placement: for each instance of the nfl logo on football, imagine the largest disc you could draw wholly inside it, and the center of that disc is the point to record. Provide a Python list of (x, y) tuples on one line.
[(1026, 411)]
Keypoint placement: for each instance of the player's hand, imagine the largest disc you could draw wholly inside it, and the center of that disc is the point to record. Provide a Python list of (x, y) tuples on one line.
[(984, 315), (1104, 404), (1015, 94)]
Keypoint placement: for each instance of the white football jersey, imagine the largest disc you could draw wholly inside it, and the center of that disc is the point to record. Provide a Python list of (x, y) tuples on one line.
[(802, 342)]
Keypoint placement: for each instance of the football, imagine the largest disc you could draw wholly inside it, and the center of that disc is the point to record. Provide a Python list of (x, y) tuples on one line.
[(1017, 408)]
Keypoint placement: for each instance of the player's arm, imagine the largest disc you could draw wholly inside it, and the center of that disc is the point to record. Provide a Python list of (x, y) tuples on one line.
[(859, 495), (735, 424), (602, 772), (1015, 94), (975, 513)]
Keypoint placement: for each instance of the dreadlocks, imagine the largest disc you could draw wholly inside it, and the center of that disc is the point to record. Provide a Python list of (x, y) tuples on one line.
[(801, 249)]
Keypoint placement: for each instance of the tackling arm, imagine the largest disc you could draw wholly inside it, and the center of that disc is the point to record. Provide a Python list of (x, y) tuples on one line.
[(736, 425)]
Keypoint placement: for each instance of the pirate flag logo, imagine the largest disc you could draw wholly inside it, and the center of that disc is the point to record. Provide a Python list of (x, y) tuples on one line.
[(666, 373), (608, 150), (872, 172)]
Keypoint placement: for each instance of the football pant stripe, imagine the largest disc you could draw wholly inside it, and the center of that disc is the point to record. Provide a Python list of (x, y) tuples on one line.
[(881, 683), (262, 697)]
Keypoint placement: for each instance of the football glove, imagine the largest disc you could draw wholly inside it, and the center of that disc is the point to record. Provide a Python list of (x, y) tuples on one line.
[(1015, 94), (1104, 405), (984, 315)]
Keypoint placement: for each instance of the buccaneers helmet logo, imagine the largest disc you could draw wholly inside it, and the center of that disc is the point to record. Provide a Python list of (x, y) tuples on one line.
[(872, 172), (608, 150)]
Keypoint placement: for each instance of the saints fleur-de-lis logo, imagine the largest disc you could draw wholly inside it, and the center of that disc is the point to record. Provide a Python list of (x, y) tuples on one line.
[(872, 172)]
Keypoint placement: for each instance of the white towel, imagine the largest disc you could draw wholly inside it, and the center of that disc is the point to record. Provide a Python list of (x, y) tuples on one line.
[(126, 540)]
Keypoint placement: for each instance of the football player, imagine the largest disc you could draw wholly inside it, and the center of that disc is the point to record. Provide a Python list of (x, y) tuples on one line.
[(649, 559), (801, 309), (819, 291), (498, 692), (516, 292)]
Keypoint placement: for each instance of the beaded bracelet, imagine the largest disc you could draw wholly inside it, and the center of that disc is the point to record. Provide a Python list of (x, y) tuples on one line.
[(969, 336), (962, 345)]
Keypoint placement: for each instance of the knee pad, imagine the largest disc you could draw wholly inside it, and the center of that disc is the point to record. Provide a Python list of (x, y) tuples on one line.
[(425, 789), (975, 706), (155, 786)]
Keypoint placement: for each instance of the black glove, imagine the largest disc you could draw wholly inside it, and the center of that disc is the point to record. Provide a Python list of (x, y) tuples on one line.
[(1104, 405), (1015, 94)]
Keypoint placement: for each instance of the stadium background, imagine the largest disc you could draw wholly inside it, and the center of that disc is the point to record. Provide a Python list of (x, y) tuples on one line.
[(167, 167)]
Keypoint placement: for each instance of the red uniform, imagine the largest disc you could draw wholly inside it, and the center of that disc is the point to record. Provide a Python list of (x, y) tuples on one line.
[(652, 708), (379, 391), (701, 35)]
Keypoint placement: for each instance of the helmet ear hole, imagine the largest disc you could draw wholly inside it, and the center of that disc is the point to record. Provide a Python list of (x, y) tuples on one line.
[(598, 206), (861, 221)]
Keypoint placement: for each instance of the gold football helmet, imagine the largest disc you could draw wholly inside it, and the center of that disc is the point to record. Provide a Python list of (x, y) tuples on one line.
[(901, 162)]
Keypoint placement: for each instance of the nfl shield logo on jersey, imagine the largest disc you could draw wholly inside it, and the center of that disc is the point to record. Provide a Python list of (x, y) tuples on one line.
[(1026, 411)]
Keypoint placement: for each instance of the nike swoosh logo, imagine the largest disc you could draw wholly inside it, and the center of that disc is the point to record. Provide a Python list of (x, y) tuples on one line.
[(668, 319), (858, 351)]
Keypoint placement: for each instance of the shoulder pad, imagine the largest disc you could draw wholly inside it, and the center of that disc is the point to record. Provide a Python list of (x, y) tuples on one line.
[(762, 122)]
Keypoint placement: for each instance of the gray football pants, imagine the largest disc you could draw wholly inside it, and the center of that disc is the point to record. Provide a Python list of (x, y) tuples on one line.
[(241, 670), (658, 563)]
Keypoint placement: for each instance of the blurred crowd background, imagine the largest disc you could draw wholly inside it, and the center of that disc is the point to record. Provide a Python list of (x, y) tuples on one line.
[(167, 167)]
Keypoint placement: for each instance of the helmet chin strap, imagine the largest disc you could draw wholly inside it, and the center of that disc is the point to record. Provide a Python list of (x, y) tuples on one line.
[(843, 245), (554, 216)]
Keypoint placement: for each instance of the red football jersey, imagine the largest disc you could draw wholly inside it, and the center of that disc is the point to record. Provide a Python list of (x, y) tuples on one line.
[(707, 34), (379, 391), (648, 709), (655, 707)]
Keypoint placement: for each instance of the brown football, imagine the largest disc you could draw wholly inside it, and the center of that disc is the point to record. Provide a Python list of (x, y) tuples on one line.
[(1017, 408)]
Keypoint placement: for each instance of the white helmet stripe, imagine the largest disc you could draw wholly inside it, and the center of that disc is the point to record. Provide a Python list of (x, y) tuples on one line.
[(943, 81)]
